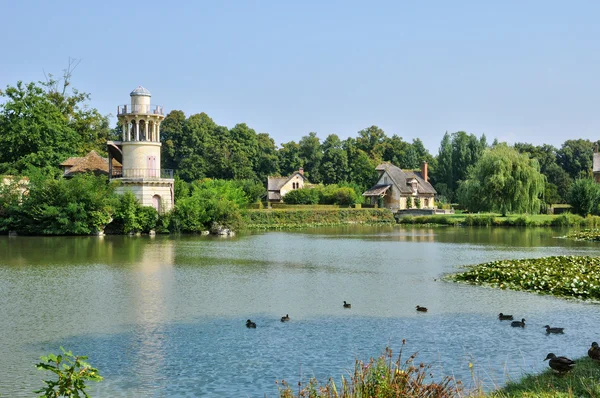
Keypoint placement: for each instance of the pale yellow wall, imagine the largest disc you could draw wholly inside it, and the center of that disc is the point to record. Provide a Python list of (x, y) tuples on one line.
[(145, 192), (135, 155), (288, 185)]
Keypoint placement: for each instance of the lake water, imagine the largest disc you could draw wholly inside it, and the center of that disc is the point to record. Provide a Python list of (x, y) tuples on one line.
[(165, 316)]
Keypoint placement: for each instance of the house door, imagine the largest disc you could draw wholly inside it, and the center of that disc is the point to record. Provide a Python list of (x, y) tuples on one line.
[(151, 164)]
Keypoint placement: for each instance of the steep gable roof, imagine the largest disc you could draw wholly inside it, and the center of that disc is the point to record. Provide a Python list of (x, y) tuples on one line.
[(400, 179)]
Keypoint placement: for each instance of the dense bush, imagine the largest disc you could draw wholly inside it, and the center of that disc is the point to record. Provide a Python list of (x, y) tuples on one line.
[(56, 206), (209, 201), (584, 197), (292, 218), (346, 195)]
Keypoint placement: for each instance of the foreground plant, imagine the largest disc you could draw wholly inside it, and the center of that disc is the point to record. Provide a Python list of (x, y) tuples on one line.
[(382, 377), (72, 372), (566, 276)]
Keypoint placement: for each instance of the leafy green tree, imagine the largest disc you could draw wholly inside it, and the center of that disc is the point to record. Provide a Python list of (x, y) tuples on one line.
[(72, 373), (443, 175), (33, 131), (362, 168), (172, 135), (334, 165), (371, 141), (584, 197), (503, 180), (289, 158), (267, 161), (395, 151), (575, 157), (311, 157)]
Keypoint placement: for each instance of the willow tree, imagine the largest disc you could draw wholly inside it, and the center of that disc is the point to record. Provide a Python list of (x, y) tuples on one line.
[(505, 181)]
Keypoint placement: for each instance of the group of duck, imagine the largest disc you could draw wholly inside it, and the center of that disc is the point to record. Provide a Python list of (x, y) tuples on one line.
[(252, 325), (559, 364)]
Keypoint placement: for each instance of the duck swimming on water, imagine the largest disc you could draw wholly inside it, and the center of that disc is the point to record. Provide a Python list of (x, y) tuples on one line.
[(503, 317), (421, 309), (285, 318), (518, 324), (553, 330), (347, 305), (250, 324)]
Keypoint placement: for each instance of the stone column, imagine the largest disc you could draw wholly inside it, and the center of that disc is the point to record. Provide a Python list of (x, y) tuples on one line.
[(124, 128), (146, 127), (137, 130)]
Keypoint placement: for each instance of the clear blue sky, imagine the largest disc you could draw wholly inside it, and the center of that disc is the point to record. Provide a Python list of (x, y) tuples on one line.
[(519, 71)]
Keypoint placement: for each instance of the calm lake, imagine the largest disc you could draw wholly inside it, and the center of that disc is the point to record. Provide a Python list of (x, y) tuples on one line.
[(165, 316)]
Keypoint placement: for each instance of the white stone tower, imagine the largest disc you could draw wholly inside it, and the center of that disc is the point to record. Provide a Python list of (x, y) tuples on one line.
[(139, 153)]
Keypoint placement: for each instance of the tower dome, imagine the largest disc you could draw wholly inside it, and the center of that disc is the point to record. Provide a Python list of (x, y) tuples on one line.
[(140, 92)]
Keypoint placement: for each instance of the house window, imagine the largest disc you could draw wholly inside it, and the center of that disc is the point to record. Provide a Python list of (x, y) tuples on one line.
[(426, 202), (156, 202), (385, 180)]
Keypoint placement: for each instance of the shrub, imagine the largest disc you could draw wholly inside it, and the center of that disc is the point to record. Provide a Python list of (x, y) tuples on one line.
[(383, 377), (72, 372)]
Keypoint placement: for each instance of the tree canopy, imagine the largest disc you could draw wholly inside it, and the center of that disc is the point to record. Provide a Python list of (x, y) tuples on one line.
[(505, 181)]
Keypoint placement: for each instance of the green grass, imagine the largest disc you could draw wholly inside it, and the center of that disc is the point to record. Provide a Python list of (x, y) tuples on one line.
[(583, 381), (497, 220)]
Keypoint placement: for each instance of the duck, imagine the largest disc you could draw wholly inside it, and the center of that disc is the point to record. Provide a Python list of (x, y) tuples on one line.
[(250, 324), (421, 309), (285, 318), (503, 317), (553, 330), (347, 305), (518, 324), (560, 364), (594, 352)]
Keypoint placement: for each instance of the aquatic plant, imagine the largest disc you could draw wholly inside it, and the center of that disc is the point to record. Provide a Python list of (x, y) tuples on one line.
[(565, 276), (592, 235), (382, 377)]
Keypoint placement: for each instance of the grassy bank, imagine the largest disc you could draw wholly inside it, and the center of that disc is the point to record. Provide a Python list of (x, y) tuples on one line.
[(562, 276), (488, 220), (583, 381), (310, 217)]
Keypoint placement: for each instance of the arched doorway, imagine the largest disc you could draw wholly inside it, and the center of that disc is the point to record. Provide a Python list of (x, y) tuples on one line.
[(156, 202)]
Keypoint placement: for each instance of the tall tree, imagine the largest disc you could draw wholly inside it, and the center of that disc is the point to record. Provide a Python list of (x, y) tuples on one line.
[(443, 177), (311, 156), (289, 157), (575, 157), (267, 161), (334, 165), (371, 141), (33, 130), (503, 180)]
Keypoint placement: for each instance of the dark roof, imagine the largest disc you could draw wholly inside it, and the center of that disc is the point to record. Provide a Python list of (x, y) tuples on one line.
[(377, 190), (400, 179)]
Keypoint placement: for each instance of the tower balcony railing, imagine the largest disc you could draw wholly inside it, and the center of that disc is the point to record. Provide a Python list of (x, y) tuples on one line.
[(143, 173), (144, 109)]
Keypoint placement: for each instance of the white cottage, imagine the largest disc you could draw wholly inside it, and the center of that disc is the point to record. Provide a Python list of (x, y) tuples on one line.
[(277, 187)]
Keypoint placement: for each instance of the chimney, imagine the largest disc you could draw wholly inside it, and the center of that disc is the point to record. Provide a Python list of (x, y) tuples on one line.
[(301, 170), (424, 171), (596, 148)]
